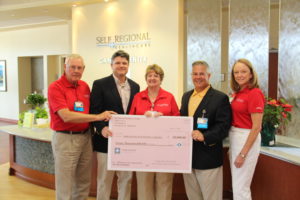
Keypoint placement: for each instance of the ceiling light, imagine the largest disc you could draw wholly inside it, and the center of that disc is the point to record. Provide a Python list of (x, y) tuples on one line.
[(74, 5)]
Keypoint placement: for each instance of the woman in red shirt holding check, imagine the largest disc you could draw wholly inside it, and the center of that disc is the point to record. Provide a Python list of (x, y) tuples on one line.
[(247, 110), (154, 102)]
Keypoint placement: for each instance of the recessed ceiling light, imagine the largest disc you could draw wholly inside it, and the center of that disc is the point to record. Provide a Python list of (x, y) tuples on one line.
[(106, 0), (74, 5)]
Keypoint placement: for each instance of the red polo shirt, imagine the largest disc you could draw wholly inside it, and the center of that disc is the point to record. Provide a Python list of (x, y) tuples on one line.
[(62, 94), (245, 102), (164, 103)]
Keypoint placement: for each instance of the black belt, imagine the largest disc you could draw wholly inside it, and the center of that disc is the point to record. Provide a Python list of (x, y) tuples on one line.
[(74, 132)]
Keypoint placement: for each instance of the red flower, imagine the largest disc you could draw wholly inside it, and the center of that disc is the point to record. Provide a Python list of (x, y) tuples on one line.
[(277, 112), (288, 109), (273, 102), (284, 115), (287, 106)]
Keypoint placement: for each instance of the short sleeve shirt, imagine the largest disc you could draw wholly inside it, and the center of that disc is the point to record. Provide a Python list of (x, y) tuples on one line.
[(244, 103), (164, 103), (63, 95)]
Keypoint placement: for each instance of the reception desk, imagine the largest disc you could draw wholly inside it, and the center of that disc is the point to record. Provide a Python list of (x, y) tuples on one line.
[(31, 159), (277, 174)]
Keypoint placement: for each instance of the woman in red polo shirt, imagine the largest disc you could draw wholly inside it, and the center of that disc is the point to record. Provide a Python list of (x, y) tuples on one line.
[(247, 110), (154, 101)]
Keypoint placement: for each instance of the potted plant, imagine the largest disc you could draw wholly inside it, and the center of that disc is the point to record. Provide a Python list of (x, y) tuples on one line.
[(35, 100), (41, 115), (276, 113)]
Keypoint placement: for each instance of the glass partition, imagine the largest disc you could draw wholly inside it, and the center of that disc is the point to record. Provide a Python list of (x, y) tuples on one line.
[(249, 36), (289, 60), (224, 31), (204, 37)]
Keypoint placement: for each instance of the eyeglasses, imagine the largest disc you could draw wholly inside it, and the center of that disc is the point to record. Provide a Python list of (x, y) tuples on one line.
[(79, 68)]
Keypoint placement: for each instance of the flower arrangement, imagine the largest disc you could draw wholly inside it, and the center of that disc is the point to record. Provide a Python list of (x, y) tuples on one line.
[(37, 110), (277, 112)]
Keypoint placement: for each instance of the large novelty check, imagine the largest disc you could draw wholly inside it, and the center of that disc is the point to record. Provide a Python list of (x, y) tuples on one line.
[(139, 143)]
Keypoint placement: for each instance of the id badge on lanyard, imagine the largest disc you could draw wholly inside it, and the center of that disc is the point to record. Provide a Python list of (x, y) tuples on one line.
[(202, 122), (78, 106)]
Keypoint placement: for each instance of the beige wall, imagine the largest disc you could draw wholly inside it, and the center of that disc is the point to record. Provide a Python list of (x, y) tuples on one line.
[(24, 80), (163, 20), (159, 18), (55, 66), (49, 40)]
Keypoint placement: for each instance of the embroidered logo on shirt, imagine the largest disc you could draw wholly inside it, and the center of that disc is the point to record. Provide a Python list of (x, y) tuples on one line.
[(240, 100), (163, 105), (258, 108)]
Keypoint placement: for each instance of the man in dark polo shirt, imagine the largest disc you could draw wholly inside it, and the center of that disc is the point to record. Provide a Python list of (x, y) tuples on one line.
[(69, 102)]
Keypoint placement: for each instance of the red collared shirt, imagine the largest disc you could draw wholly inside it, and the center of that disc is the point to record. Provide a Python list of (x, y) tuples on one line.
[(245, 102), (164, 103), (62, 94)]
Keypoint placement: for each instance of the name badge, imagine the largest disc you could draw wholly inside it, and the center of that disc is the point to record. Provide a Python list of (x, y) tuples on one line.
[(78, 106), (202, 123)]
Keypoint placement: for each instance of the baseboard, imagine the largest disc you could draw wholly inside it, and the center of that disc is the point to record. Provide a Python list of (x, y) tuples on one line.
[(12, 121)]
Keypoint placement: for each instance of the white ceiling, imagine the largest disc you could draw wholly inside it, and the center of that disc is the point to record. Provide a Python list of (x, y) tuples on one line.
[(16, 14)]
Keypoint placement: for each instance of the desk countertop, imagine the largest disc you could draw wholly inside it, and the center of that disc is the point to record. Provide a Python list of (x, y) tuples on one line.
[(43, 134), (288, 149)]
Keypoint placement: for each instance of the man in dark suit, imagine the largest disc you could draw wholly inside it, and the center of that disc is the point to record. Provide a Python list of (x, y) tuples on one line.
[(115, 93), (211, 111)]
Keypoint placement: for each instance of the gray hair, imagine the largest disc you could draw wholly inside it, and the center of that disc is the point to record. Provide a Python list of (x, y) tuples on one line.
[(201, 62), (74, 56)]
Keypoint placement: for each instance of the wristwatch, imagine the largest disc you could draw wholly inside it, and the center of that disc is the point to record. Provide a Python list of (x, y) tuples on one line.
[(242, 155)]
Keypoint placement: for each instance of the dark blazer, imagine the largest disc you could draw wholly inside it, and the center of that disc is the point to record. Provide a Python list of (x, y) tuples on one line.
[(209, 154), (105, 96)]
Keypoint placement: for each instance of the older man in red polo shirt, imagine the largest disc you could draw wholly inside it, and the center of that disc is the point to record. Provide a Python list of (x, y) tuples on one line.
[(69, 102)]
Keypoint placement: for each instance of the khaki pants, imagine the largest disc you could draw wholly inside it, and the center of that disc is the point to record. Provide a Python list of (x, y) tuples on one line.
[(154, 185), (204, 184), (73, 164), (105, 179)]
